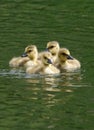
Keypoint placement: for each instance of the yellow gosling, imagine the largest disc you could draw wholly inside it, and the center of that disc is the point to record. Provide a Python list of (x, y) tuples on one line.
[(66, 61), (32, 53), (46, 67), (53, 47), (28, 59)]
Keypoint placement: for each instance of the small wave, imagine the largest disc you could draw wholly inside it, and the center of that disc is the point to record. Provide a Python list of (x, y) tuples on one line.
[(14, 73)]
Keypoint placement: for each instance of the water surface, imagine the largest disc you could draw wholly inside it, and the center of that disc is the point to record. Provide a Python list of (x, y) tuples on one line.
[(47, 102)]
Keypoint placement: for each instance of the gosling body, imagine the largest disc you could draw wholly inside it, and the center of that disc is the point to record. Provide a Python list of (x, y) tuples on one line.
[(28, 59), (46, 66), (17, 62), (66, 61), (32, 53)]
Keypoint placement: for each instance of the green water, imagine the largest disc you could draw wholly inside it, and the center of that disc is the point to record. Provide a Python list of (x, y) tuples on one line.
[(44, 102)]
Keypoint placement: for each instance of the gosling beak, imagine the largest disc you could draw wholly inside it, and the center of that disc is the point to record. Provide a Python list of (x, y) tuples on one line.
[(69, 57), (24, 54), (49, 61)]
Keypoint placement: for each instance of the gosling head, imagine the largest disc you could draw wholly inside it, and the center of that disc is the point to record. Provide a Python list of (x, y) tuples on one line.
[(53, 47), (64, 54), (46, 58), (31, 52)]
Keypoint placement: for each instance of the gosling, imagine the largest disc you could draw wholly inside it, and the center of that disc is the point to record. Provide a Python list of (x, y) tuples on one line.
[(66, 61)]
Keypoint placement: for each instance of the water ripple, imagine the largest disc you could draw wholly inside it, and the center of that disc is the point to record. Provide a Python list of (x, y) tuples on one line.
[(74, 79)]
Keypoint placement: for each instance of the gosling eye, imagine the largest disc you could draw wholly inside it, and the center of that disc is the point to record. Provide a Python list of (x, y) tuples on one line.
[(50, 47), (45, 57), (29, 51), (64, 54)]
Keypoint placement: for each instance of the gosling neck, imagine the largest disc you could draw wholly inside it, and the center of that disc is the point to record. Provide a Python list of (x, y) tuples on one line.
[(34, 58), (62, 61)]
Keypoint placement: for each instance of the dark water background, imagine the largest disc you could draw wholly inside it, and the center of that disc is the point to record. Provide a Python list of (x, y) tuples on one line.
[(45, 102)]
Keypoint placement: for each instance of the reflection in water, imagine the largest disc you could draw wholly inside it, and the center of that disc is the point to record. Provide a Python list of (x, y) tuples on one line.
[(48, 82), (48, 93), (48, 86), (36, 99)]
